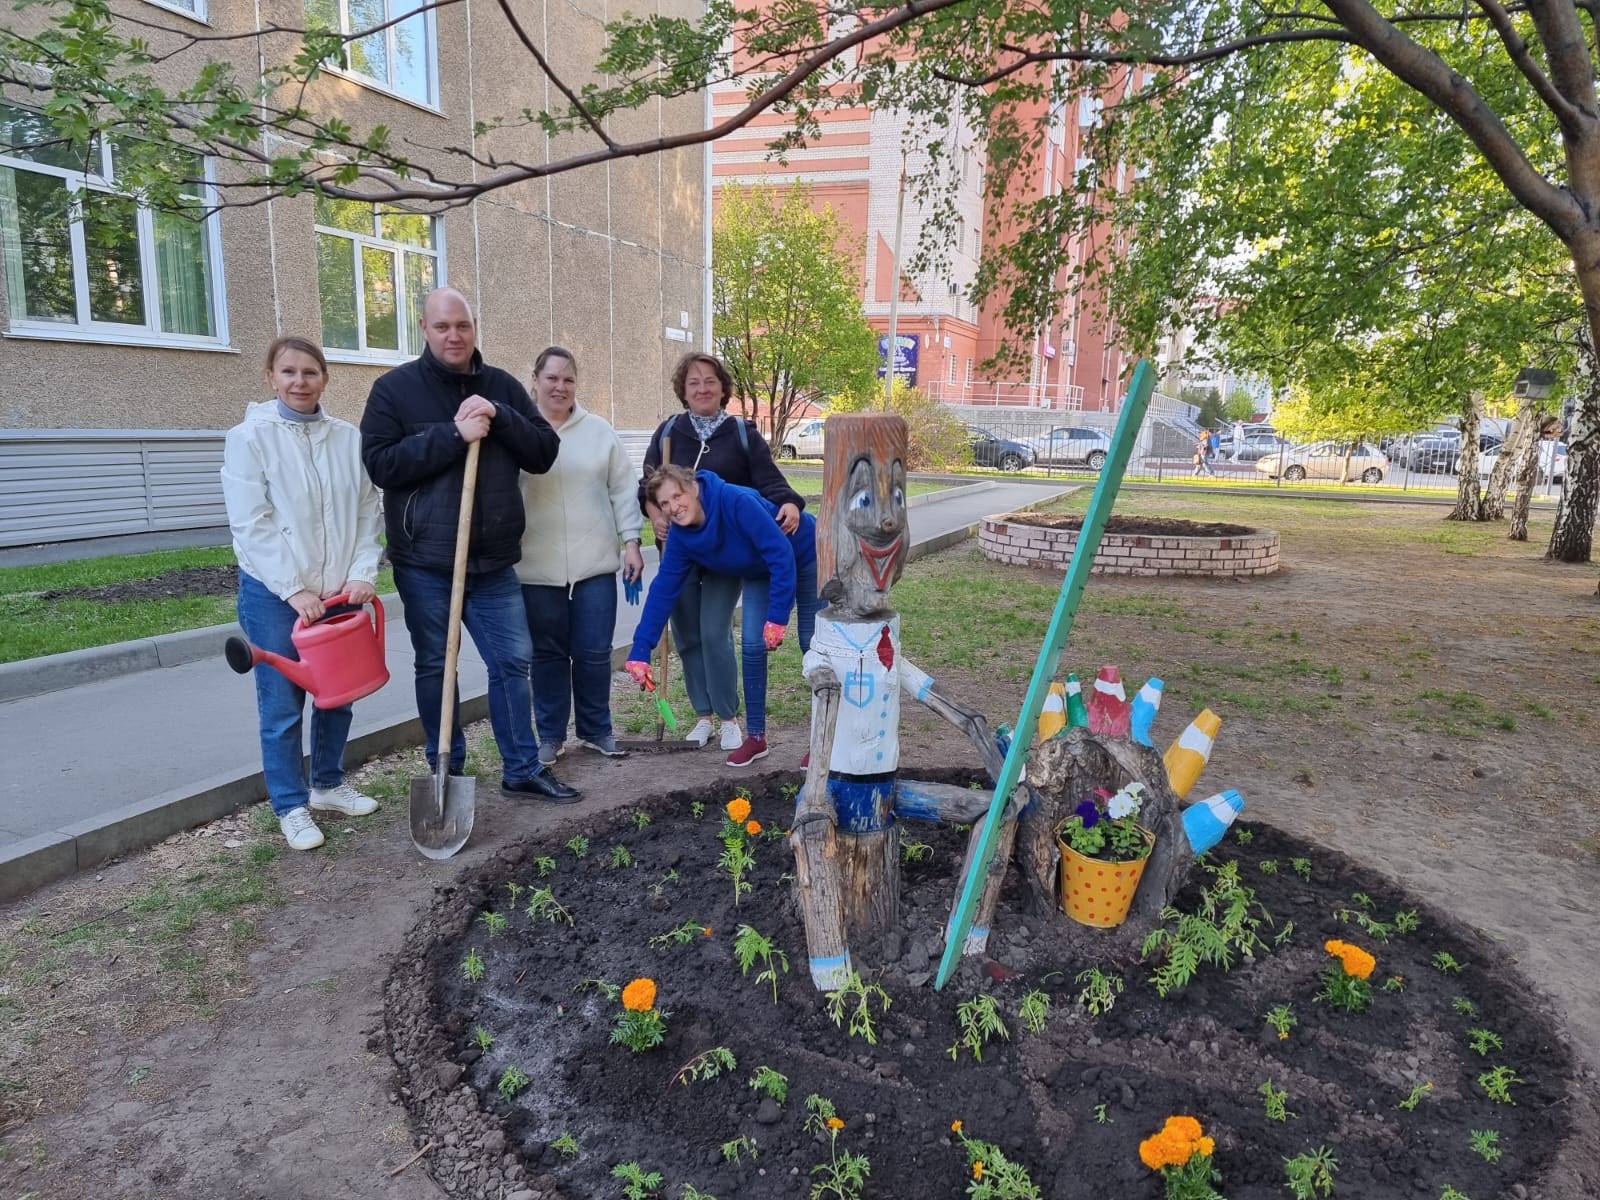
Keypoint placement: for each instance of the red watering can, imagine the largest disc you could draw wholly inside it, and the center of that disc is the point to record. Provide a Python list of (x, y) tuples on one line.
[(341, 657)]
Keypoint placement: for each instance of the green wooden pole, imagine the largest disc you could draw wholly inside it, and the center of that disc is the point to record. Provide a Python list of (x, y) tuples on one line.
[(1055, 638)]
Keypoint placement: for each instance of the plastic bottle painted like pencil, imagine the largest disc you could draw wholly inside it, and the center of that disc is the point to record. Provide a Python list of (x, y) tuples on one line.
[(1188, 756)]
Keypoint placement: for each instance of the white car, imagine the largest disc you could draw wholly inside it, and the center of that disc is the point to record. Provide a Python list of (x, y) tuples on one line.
[(1552, 462), (1068, 445), (803, 440)]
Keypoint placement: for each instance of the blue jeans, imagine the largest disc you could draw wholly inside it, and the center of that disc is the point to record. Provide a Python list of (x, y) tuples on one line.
[(752, 646), (267, 621), (702, 625), (572, 628), (494, 616)]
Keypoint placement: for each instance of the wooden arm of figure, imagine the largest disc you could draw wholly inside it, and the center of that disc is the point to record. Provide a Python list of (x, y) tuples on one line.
[(818, 884), (976, 727), (814, 804)]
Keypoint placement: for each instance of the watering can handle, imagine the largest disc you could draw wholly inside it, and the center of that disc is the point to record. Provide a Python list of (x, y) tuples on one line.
[(344, 598)]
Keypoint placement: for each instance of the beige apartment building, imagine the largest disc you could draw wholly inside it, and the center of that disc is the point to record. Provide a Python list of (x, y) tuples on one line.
[(115, 319)]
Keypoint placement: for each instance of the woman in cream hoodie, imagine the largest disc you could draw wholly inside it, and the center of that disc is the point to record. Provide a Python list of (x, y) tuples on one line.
[(583, 523)]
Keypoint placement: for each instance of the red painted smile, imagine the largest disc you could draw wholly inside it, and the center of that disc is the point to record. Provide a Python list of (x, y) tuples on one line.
[(880, 560)]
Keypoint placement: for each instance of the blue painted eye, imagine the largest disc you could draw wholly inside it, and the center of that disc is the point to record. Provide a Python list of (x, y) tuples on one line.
[(899, 497), (862, 499)]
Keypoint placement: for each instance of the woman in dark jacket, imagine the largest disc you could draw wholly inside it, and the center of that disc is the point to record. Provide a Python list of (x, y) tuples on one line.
[(706, 437)]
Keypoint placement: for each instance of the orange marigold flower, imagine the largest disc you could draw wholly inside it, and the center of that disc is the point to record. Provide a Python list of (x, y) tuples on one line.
[(706, 929), (639, 996), (1204, 1146), (955, 1126), (752, 827), (738, 809), (1283, 1035), (1186, 1127), (1354, 959), (1153, 1152), (835, 1123), (977, 1168)]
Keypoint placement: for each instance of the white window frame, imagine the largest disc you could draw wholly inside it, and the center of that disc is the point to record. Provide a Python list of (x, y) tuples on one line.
[(197, 13), (114, 332), (408, 334), (430, 102)]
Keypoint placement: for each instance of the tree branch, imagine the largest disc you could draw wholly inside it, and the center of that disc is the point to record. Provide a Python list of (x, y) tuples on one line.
[(544, 65), (1566, 113)]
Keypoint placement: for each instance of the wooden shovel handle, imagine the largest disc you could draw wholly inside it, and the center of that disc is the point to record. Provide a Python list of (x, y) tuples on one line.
[(458, 598)]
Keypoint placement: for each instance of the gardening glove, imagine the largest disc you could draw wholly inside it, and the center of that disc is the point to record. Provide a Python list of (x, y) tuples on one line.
[(641, 673), (772, 634), (631, 589)]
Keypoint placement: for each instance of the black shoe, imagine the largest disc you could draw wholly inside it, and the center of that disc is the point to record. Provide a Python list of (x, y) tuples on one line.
[(543, 784)]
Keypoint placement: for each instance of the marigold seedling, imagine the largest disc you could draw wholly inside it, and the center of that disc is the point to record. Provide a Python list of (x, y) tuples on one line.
[(1496, 1084), (641, 820), (1282, 1019), (1484, 1040), (543, 903), (1407, 921), (1301, 867), (1275, 1101), (1450, 1193), (980, 1023), (1102, 1115), (512, 1081), (1035, 1011), (1395, 983), (579, 845), (1418, 1091), (690, 1192), (735, 1150), (472, 966), (913, 851), (636, 1183), (680, 935), (546, 865), (844, 1175), (611, 991), (1225, 922), (1486, 1143), (1311, 1174), (483, 1037), (1464, 1007), (492, 921), (1445, 961), (566, 1145), (749, 947), (640, 1026), (1268, 866), (697, 809), (862, 993), (1100, 991), (515, 889), (1244, 836), (708, 1064), (771, 1083), (621, 856)]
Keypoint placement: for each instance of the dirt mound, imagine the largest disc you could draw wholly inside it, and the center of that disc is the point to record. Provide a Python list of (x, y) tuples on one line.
[(1132, 526), (170, 585), (1070, 1103)]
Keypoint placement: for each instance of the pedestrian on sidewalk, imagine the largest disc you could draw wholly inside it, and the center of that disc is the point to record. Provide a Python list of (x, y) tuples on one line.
[(305, 524), (579, 513), (735, 532), (706, 437), (1202, 455), (1238, 439), (419, 421)]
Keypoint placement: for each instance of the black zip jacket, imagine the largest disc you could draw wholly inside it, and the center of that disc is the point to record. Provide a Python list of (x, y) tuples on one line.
[(414, 452), (725, 455)]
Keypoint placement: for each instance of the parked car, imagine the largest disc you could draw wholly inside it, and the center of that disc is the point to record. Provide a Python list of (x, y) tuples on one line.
[(1552, 462), (1068, 445), (991, 450), (1256, 446), (1488, 443), (1433, 454), (803, 440), (1326, 460)]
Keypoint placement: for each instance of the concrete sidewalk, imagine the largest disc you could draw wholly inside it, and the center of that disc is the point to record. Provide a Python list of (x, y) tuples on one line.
[(118, 747)]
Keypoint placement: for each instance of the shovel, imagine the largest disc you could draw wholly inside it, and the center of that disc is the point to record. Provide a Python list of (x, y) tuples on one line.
[(442, 804)]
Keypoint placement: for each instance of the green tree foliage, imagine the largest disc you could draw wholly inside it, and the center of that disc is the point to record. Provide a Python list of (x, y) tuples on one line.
[(787, 302), (936, 439)]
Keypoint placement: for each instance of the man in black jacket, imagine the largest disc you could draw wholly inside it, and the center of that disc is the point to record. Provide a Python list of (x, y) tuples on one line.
[(419, 421)]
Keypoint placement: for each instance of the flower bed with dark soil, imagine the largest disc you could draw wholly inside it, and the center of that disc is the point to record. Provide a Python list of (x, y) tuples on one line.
[(1132, 545), (1070, 1103)]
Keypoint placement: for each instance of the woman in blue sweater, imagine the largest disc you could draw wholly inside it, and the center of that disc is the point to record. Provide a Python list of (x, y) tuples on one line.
[(733, 531)]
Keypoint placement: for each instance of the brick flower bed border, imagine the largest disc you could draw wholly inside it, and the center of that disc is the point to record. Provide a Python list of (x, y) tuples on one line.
[(1009, 538)]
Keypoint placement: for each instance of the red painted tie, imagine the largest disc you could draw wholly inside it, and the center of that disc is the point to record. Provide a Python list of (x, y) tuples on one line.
[(885, 650)]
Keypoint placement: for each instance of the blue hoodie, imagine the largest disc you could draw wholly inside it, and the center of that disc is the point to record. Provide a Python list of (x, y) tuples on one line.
[(739, 537)]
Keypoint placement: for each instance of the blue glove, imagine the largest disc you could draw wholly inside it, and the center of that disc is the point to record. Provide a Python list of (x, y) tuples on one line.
[(632, 589)]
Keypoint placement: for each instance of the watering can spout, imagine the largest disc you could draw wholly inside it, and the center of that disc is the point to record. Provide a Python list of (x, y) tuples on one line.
[(341, 656)]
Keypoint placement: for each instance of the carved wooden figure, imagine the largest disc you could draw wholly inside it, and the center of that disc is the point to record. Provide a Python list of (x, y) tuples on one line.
[(846, 840)]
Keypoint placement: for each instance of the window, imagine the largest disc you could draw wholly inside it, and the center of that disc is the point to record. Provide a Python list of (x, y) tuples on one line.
[(398, 53), (969, 370), (374, 266), (952, 368), (195, 8), (81, 256)]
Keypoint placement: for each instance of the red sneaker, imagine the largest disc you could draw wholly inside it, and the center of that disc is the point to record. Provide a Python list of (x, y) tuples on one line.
[(752, 748)]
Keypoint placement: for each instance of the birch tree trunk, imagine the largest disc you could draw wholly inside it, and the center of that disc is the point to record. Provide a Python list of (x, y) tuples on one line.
[(1573, 536), (1469, 492), (1527, 474), (1510, 459)]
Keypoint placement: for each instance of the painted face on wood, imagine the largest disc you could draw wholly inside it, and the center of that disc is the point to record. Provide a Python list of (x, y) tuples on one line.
[(863, 541)]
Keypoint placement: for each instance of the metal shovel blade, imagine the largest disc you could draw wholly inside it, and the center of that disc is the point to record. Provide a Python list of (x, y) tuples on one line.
[(442, 808)]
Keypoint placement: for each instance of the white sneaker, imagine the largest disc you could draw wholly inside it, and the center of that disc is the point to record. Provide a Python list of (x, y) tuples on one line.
[(701, 733), (343, 799), (299, 829), (732, 739)]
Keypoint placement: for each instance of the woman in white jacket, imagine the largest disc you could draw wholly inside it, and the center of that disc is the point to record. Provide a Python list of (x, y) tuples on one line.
[(305, 523), (579, 513)]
